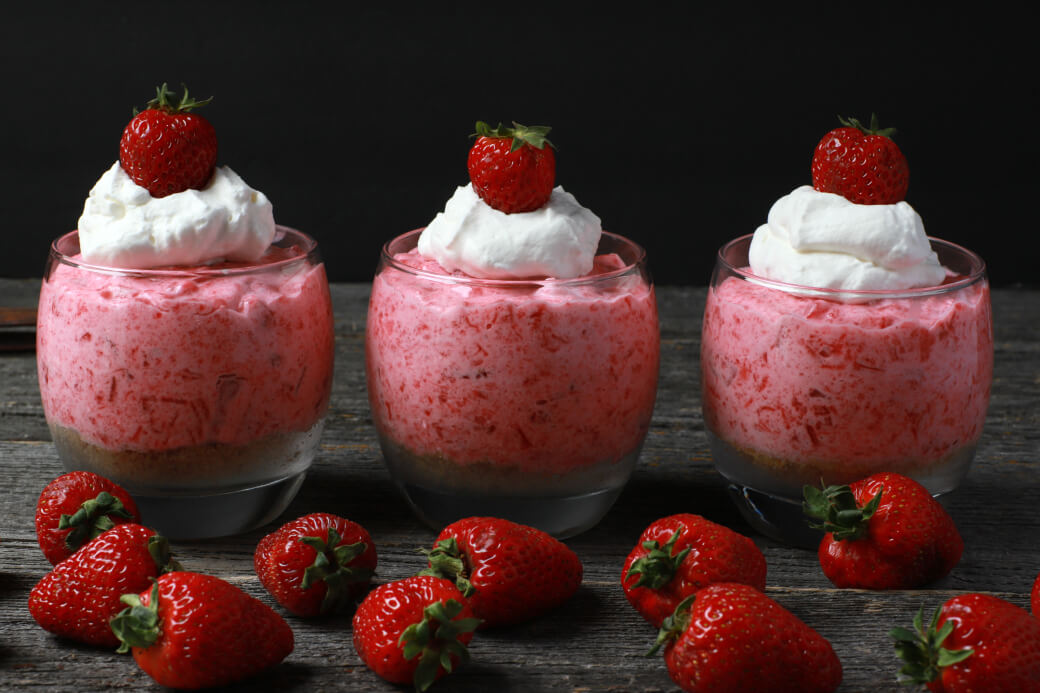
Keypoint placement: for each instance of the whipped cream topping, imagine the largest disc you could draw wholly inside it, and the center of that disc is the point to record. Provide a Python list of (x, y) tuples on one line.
[(557, 240), (822, 240), (122, 225)]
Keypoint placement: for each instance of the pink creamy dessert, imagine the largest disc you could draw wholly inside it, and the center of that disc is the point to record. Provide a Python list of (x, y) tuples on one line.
[(799, 388), (511, 388), (201, 377), (841, 340), (512, 348), (184, 340), (489, 374)]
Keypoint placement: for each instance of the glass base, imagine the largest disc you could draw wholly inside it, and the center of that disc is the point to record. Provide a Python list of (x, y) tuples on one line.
[(201, 491), (776, 517), (769, 495), (562, 517), (204, 516), (561, 503)]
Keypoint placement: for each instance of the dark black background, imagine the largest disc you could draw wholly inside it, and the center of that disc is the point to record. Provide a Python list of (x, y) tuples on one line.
[(677, 123)]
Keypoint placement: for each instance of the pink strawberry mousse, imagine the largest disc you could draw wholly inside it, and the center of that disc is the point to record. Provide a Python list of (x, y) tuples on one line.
[(188, 377), (511, 387), (797, 389)]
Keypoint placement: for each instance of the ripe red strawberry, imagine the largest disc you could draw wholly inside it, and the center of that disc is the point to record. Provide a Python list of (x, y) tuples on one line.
[(732, 637), (168, 149), (512, 169), (975, 642), (861, 164), (883, 532), (414, 630), (77, 507), (316, 564), (509, 572), (191, 631), (77, 598), (679, 554)]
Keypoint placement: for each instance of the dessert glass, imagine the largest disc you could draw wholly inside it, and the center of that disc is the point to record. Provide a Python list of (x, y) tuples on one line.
[(803, 385), (201, 390), (523, 399)]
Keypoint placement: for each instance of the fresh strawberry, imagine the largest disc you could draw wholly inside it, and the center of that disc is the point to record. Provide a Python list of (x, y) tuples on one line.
[(509, 572), (679, 554), (168, 149), (861, 164), (732, 637), (316, 564), (414, 630), (77, 598), (191, 631), (512, 169), (77, 507), (975, 642), (883, 532)]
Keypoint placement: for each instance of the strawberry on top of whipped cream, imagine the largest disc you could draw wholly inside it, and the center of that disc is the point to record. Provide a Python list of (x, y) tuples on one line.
[(558, 240), (123, 226), (822, 240)]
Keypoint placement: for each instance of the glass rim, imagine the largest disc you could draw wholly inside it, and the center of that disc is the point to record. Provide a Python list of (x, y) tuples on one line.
[(308, 249), (977, 274), (630, 267)]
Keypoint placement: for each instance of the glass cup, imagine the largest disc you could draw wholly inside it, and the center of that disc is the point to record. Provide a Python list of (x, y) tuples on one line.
[(803, 385), (202, 390), (522, 399)]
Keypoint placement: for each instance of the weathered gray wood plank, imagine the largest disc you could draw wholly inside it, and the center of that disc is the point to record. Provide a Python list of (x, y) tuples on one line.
[(596, 642)]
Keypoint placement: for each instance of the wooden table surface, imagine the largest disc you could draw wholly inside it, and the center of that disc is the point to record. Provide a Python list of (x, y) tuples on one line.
[(596, 641)]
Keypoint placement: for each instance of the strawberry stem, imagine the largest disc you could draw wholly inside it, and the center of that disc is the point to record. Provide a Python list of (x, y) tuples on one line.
[(674, 625), (163, 101), (921, 649), (874, 128), (534, 135), (137, 625), (159, 549), (435, 639), (659, 566), (835, 510), (446, 561), (332, 564), (91, 519)]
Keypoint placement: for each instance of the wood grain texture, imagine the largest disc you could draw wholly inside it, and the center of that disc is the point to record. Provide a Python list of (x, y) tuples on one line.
[(596, 642)]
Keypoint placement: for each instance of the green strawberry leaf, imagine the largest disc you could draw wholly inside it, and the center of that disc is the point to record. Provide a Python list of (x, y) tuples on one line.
[(534, 135), (674, 625), (91, 519), (921, 649), (446, 561), (164, 101), (435, 640), (874, 128), (159, 550), (659, 566), (137, 625), (332, 566), (834, 509)]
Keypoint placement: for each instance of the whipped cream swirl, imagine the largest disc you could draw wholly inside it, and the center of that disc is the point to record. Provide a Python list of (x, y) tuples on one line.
[(822, 240), (557, 240), (122, 225)]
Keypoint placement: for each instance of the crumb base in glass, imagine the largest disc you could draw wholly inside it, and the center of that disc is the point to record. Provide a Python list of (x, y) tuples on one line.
[(202, 491), (768, 491), (564, 505)]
